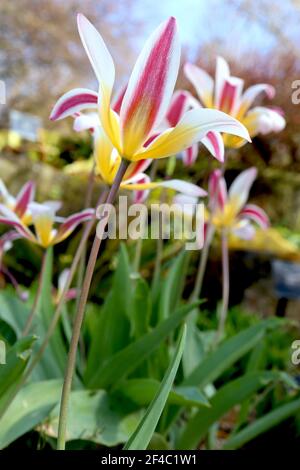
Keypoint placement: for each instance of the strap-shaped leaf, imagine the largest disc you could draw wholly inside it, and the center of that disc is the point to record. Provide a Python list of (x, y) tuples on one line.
[(142, 436), (225, 399), (226, 354), (11, 372), (125, 361), (263, 424)]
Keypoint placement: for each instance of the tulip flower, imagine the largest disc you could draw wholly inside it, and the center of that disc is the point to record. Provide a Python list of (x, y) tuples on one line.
[(226, 94), (19, 204), (107, 162), (146, 99), (131, 132), (229, 210), (43, 219), (230, 214)]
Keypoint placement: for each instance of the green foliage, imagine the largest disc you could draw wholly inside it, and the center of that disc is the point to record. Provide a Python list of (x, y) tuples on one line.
[(228, 396), (112, 326), (227, 354), (11, 372), (31, 406), (94, 416), (142, 391), (263, 424), (15, 313), (130, 386), (144, 432), (126, 360)]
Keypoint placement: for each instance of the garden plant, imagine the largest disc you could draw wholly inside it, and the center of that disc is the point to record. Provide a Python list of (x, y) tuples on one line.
[(117, 325)]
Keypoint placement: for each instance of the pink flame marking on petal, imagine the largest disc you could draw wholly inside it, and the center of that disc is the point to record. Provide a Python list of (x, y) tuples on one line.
[(228, 96), (189, 155), (75, 219), (257, 214), (176, 109), (150, 140), (213, 182), (222, 193), (83, 98), (205, 231), (141, 194), (137, 167), (24, 199), (214, 141), (118, 102), (18, 226), (217, 190), (150, 88)]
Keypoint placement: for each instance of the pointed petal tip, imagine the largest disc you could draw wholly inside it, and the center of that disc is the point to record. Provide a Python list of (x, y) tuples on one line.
[(253, 170), (52, 114), (81, 20), (72, 102), (202, 192), (81, 17), (150, 87), (245, 132), (97, 52), (248, 138), (172, 20), (172, 23)]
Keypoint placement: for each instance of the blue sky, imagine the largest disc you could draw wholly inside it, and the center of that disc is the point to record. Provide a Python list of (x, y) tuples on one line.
[(201, 21), (188, 13)]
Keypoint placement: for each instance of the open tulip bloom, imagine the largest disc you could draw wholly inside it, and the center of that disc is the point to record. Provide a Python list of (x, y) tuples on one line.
[(43, 219), (132, 131), (19, 204), (229, 209), (226, 94), (107, 162)]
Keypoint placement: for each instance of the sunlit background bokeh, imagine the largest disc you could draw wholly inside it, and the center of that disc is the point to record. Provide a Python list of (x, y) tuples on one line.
[(41, 57), (41, 54)]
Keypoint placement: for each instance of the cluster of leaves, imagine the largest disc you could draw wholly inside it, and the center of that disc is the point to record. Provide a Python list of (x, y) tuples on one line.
[(131, 385)]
